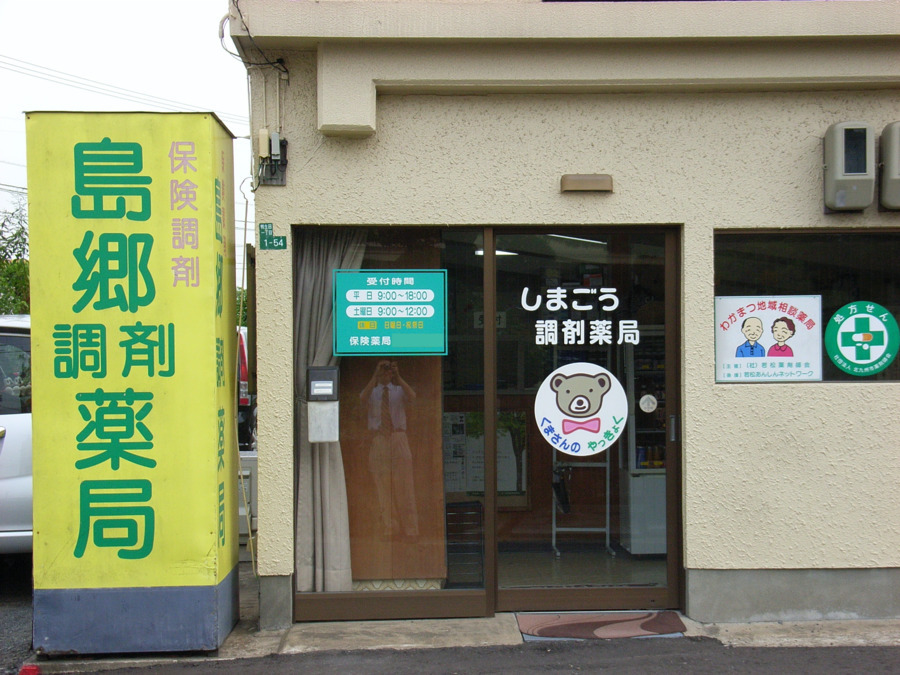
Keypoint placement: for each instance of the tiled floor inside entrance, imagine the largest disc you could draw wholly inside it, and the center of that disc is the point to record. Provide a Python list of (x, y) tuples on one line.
[(531, 569)]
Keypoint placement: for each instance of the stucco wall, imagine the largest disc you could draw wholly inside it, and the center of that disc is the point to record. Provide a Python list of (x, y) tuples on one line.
[(775, 475)]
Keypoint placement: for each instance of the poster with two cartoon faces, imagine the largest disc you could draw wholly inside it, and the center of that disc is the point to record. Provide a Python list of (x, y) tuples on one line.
[(768, 338)]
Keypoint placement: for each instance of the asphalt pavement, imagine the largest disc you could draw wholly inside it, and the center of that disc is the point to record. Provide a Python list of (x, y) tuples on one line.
[(696, 656), (490, 645), (15, 612)]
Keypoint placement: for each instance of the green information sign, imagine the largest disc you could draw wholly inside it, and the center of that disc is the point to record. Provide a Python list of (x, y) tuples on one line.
[(400, 312), (268, 240), (862, 338)]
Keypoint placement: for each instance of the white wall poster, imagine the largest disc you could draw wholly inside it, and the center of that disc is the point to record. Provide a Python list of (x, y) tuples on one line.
[(774, 338), (464, 453)]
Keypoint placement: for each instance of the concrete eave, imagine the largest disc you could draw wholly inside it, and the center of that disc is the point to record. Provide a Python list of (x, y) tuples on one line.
[(303, 24), (442, 47)]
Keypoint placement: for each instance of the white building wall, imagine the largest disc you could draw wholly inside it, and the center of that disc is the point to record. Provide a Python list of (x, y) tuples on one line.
[(776, 476)]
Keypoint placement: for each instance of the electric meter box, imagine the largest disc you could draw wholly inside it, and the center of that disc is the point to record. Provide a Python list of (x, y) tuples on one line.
[(890, 166), (849, 166)]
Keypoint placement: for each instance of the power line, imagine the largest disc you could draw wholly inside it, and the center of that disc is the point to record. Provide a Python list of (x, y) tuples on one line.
[(93, 86), (79, 82), (25, 189), (22, 190)]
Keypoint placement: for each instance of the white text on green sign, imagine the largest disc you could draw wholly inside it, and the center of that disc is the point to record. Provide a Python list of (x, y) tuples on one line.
[(390, 312)]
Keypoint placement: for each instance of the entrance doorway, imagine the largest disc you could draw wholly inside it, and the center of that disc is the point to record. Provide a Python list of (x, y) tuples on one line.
[(590, 520), (447, 494)]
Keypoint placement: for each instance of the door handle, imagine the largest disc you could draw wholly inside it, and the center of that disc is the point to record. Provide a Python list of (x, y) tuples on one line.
[(2, 432), (673, 434)]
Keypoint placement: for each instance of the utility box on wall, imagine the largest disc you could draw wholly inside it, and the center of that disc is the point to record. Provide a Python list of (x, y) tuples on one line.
[(849, 166), (134, 345), (890, 166)]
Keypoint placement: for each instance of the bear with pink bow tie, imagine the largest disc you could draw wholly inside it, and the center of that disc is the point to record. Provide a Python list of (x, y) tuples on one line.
[(580, 396)]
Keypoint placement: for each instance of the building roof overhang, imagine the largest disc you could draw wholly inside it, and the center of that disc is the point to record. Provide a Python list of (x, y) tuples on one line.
[(364, 47)]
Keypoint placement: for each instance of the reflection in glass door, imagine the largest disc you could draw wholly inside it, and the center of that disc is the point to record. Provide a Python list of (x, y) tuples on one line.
[(581, 329)]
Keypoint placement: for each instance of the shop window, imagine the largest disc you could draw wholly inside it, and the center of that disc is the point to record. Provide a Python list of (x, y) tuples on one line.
[(388, 508), (849, 273), (411, 527)]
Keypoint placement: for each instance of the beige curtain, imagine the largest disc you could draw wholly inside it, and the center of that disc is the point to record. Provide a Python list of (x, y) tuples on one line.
[(322, 532)]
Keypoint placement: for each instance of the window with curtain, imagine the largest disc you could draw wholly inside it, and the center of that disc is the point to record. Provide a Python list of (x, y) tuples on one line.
[(386, 508)]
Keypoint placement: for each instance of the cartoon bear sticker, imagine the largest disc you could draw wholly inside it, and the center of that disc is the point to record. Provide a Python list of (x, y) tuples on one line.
[(581, 408), (580, 395)]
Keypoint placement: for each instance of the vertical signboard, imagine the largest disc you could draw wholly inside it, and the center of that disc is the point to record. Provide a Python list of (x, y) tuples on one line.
[(133, 329)]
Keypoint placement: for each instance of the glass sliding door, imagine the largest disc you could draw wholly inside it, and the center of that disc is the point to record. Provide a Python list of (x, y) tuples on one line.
[(585, 426), (534, 466)]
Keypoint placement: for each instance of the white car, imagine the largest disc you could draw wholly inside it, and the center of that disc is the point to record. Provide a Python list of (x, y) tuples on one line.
[(15, 434)]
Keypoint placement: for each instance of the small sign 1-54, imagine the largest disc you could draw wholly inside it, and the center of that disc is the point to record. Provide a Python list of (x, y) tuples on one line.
[(268, 240), (401, 312)]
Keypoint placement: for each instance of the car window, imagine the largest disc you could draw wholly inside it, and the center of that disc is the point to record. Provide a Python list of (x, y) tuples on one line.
[(15, 374)]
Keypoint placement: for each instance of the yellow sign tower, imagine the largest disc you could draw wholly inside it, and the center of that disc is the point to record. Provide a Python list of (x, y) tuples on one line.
[(133, 326)]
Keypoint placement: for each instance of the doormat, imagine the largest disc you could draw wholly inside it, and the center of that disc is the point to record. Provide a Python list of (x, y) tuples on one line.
[(599, 625)]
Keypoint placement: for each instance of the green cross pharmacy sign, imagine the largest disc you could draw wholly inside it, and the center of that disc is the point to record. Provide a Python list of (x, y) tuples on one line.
[(862, 338)]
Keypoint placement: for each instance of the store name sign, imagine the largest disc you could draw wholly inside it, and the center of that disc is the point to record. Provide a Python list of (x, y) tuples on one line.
[(134, 343), (399, 312), (578, 331)]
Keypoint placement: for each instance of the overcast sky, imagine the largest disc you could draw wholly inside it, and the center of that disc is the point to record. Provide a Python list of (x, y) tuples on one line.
[(161, 49)]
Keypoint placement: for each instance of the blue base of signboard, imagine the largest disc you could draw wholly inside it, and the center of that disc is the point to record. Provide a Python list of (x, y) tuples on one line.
[(130, 620)]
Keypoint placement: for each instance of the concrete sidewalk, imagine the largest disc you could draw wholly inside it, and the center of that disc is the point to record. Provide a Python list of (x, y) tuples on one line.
[(247, 641)]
